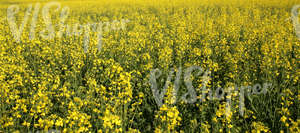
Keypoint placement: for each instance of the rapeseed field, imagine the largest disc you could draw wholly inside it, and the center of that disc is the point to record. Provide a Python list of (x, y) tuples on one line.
[(149, 66)]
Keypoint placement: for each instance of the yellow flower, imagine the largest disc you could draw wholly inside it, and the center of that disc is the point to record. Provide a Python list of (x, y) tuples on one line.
[(59, 122), (170, 114), (219, 113), (27, 124), (283, 119), (215, 119)]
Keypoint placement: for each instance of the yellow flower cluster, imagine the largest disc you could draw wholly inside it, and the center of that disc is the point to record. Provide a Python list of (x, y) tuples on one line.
[(59, 84)]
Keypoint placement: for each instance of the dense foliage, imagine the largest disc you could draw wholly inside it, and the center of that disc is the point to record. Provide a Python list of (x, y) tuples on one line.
[(54, 84)]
